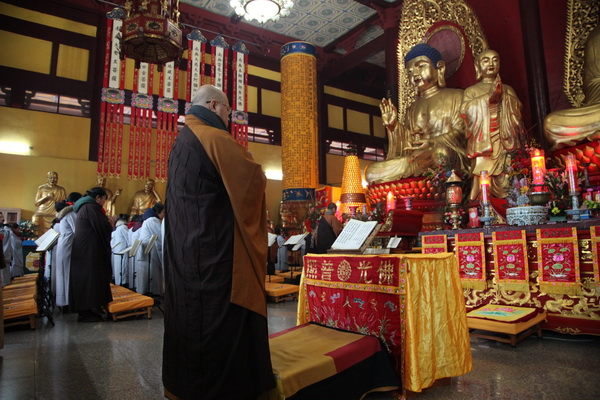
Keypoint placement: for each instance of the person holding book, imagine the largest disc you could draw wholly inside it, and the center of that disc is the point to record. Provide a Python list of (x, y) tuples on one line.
[(328, 230)]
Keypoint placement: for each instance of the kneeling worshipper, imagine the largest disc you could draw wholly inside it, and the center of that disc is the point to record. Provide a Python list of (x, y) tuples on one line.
[(216, 344), (91, 270), (150, 277), (119, 241), (64, 246)]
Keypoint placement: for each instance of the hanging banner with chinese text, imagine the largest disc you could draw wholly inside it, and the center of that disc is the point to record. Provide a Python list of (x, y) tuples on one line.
[(239, 114)]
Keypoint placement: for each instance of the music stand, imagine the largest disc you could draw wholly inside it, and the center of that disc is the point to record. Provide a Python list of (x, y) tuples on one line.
[(121, 253), (132, 252), (147, 251)]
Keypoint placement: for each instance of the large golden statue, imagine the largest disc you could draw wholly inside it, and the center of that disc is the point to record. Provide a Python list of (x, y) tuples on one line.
[(144, 199), (570, 126), (111, 199), (45, 197), (432, 132), (494, 124)]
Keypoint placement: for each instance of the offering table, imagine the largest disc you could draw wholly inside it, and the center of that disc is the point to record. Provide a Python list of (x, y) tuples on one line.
[(571, 301), (412, 302)]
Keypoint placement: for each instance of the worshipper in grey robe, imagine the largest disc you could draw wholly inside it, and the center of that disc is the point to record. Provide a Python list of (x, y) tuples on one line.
[(133, 235), (282, 253), (7, 248), (149, 264), (91, 271), (216, 338), (119, 241), (16, 267), (66, 228)]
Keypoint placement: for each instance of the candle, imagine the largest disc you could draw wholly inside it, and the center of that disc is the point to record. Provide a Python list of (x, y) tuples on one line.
[(538, 166), (390, 201), (485, 187), (572, 173)]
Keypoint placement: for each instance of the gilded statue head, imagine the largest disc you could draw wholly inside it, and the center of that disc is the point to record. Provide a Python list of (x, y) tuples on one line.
[(52, 178), (425, 67), (149, 185), (487, 65)]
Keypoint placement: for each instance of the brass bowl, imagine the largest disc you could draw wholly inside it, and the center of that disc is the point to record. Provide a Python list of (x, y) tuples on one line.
[(539, 198)]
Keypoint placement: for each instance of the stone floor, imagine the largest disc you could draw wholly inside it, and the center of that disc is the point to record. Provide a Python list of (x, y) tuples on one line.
[(122, 360)]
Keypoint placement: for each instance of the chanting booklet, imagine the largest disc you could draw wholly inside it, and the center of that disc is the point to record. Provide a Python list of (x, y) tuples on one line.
[(271, 238), (47, 240), (356, 236), (296, 241)]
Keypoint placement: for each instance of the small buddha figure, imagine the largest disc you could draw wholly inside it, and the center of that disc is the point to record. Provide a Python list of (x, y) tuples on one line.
[(492, 114), (432, 132), (144, 199), (45, 197), (568, 127), (111, 199)]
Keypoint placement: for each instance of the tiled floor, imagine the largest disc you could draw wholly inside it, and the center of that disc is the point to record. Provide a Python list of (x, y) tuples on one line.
[(122, 360)]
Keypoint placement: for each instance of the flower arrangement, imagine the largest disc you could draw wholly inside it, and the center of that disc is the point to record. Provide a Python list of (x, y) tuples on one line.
[(26, 230), (559, 187)]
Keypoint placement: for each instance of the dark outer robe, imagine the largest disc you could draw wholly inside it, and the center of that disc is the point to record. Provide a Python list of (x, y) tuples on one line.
[(91, 270), (216, 337)]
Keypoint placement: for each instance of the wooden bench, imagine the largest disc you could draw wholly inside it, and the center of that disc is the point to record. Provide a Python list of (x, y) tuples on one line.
[(20, 302), (281, 291), (505, 331), (274, 279), (127, 303)]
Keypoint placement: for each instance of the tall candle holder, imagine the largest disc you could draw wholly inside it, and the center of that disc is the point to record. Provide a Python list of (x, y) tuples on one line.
[(571, 167), (539, 196), (485, 199)]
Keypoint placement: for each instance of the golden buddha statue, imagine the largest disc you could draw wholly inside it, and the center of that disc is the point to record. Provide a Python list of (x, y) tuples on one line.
[(45, 197), (432, 132), (492, 114), (111, 199), (573, 125), (144, 199)]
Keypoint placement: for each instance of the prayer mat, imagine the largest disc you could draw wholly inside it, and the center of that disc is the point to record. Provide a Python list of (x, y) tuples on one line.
[(558, 261), (470, 251), (127, 303), (503, 313), (312, 361), (510, 260), (434, 244)]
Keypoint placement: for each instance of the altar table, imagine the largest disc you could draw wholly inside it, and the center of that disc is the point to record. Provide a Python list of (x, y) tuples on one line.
[(412, 302), (573, 313)]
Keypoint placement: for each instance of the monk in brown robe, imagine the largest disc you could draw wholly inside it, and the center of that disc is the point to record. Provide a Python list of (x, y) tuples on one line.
[(216, 338)]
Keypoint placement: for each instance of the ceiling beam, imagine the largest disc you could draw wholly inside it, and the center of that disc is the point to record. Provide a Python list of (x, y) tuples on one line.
[(338, 67)]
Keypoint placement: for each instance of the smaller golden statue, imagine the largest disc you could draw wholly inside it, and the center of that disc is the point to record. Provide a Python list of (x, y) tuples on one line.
[(144, 199), (432, 132), (494, 124), (568, 127), (45, 197), (109, 205)]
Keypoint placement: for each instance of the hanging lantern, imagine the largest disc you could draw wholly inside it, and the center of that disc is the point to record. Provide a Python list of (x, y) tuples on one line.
[(151, 32)]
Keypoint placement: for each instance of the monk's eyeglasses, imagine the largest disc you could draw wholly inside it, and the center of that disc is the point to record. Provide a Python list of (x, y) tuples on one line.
[(223, 104)]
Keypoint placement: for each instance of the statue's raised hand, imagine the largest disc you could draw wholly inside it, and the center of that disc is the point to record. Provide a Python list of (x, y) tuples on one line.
[(389, 114)]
